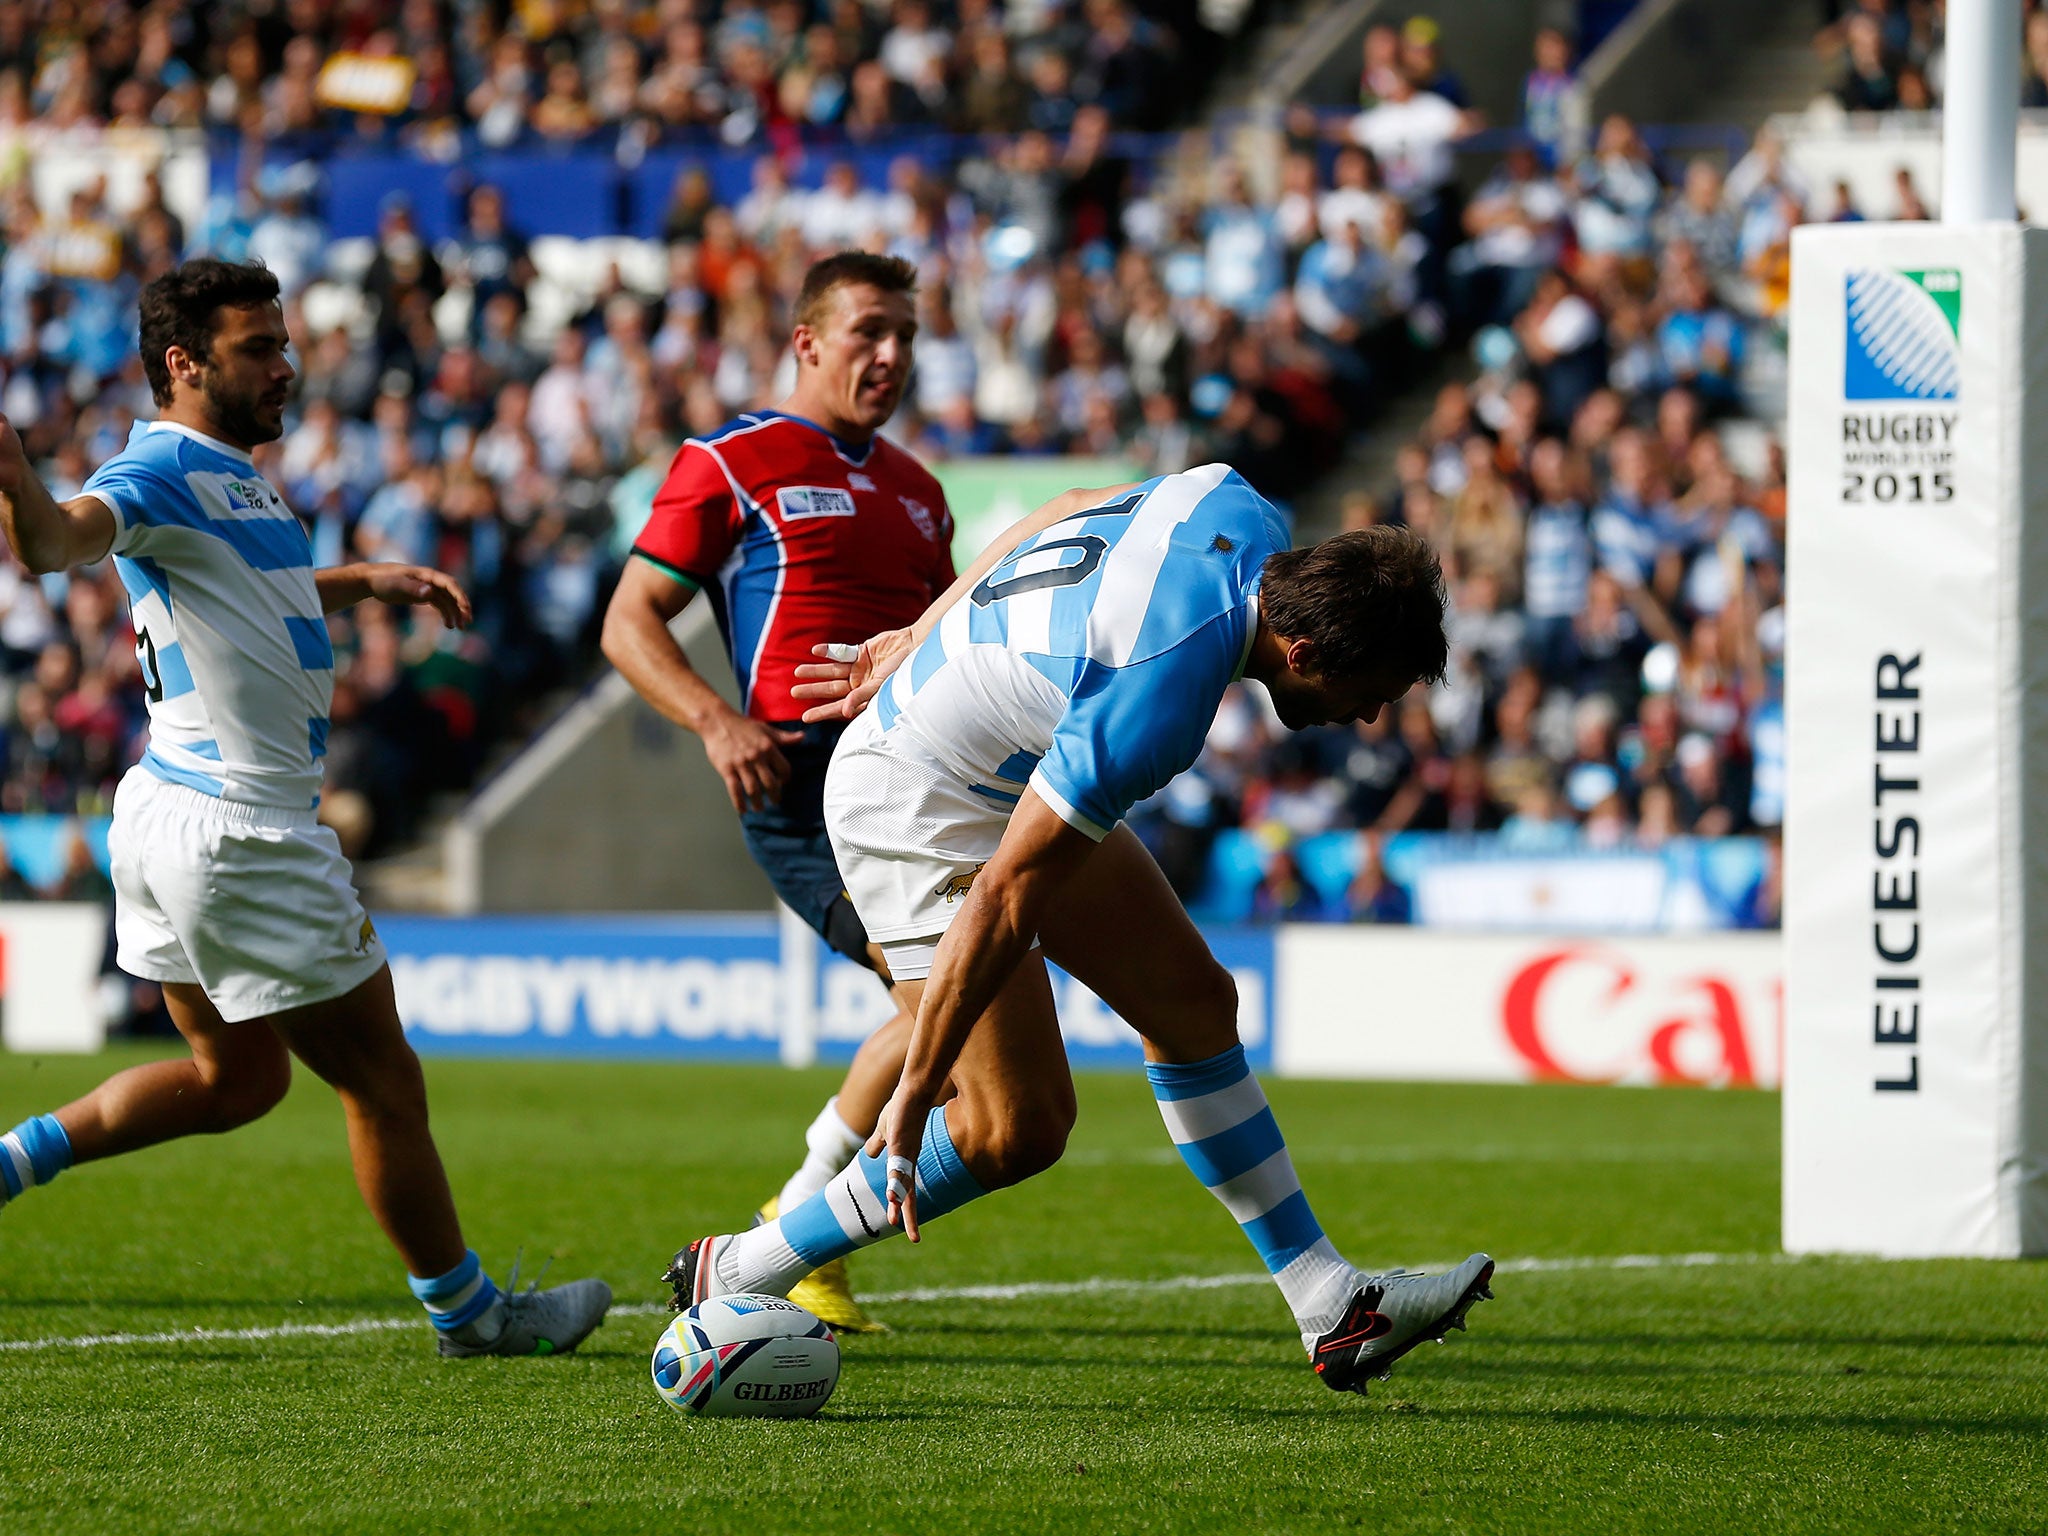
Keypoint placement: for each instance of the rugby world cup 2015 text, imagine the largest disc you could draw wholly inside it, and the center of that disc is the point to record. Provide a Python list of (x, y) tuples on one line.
[(1898, 458)]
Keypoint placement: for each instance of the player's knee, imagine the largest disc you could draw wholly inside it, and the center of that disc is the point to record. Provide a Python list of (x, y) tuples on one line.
[(1025, 1145)]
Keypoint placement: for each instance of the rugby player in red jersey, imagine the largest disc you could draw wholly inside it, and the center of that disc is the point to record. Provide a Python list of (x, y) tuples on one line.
[(801, 526)]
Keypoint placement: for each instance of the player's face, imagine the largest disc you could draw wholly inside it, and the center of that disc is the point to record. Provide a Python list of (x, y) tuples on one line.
[(864, 352), (247, 376), (1303, 697)]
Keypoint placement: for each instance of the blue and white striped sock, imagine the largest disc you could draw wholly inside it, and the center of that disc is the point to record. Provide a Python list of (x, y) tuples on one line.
[(33, 1153), (851, 1211), (458, 1298), (1216, 1113)]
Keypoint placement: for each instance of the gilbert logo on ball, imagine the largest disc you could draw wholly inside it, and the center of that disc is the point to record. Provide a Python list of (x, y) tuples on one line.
[(1902, 334), (746, 1356)]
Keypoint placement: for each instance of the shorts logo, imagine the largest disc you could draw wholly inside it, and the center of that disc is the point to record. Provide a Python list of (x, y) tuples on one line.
[(921, 515), (1902, 334), (959, 885), (798, 501), (365, 937)]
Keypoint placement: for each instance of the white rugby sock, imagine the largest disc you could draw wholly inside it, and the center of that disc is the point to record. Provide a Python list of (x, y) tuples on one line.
[(832, 1143)]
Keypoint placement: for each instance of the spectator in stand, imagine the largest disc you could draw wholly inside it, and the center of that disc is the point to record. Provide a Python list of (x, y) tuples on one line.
[(1869, 84), (1558, 559), (1561, 337), (1341, 292), (1412, 135), (1516, 225), (1699, 341), (1422, 61), (1241, 247), (1547, 94), (1354, 197), (1618, 195), (1699, 216), (1283, 894), (2034, 86), (287, 238), (490, 258), (1373, 897)]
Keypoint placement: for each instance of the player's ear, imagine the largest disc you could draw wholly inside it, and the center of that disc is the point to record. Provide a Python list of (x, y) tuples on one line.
[(1302, 657), (804, 341), (182, 366)]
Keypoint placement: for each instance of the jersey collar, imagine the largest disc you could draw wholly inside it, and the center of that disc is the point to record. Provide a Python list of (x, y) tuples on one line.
[(203, 440), (1251, 633), (855, 454)]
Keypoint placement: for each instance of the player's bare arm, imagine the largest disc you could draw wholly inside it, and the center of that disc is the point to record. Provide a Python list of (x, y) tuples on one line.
[(848, 676), (996, 928), (746, 752), (402, 586), (44, 533)]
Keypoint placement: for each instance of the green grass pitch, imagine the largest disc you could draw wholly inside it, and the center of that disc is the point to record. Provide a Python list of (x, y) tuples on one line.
[(1750, 1394)]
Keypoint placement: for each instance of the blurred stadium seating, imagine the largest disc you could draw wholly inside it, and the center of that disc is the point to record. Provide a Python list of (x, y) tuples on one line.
[(527, 254)]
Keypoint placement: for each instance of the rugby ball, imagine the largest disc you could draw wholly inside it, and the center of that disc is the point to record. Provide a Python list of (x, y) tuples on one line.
[(746, 1356)]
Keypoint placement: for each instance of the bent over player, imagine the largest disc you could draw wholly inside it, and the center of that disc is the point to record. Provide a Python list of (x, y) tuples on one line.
[(977, 811), (226, 889), (802, 526)]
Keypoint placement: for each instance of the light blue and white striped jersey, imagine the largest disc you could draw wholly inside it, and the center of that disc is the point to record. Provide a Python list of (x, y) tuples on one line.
[(228, 625), (1089, 664)]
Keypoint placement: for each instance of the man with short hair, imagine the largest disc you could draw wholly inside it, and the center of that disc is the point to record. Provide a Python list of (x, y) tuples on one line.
[(227, 891), (977, 808), (802, 525)]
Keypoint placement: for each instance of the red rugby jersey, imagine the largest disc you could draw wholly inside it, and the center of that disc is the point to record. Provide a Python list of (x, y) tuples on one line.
[(798, 539)]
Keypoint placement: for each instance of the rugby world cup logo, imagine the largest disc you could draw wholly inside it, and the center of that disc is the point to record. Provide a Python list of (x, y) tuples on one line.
[(1902, 334)]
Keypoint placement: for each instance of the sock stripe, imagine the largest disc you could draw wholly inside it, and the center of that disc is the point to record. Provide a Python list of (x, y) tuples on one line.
[(457, 1298), (1217, 1114), (1172, 1080), (476, 1306), (15, 1169), (852, 1211), (1199, 1118), (1257, 1191), (1228, 1154), (1285, 1232)]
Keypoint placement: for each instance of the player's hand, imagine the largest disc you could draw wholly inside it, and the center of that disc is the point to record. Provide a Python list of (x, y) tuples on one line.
[(405, 585), (849, 676), (899, 1137), (748, 755)]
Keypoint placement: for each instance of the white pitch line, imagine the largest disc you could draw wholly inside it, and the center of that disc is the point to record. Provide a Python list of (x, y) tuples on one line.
[(1023, 1291)]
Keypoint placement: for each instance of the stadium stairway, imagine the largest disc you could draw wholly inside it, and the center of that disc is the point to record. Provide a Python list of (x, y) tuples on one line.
[(1780, 71)]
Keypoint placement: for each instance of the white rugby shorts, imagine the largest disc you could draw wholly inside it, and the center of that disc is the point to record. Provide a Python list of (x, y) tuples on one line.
[(909, 838), (255, 903)]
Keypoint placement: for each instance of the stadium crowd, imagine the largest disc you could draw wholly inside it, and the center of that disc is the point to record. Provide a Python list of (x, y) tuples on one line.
[(1615, 569), (1888, 54), (438, 76)]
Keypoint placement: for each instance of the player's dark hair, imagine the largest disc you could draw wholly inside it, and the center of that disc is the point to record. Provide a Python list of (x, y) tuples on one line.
[(891, 274), (181, 309), (1369, 599)]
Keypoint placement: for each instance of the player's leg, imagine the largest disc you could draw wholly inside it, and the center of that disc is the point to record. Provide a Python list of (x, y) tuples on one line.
[(849, 1117), (233, 1074), (789, 842), (236, 1073), (1183, 1003), (1008, 1120), (356, 1044)]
